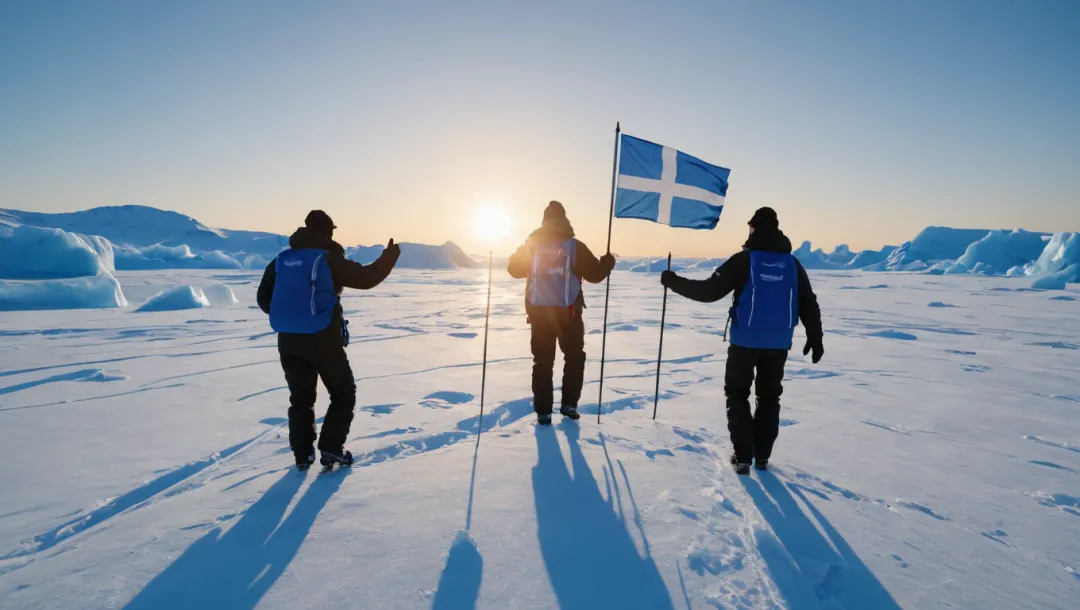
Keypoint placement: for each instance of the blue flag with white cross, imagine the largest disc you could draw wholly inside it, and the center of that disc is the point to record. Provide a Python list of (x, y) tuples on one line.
[(669, 187)]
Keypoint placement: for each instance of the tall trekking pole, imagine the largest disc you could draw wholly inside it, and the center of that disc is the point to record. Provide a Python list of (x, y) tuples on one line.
[(660, 356), (483, 375), (607, 290)]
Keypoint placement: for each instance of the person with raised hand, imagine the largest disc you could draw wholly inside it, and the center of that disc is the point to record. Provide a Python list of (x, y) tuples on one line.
[(301, 291)]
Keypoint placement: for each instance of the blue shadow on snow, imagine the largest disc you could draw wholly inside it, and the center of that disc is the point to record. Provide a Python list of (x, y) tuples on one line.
[(591, 559), (807, 568), (235, 570)]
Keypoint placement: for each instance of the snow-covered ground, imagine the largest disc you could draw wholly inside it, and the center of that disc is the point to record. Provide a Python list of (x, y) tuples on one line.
[(932, 460)]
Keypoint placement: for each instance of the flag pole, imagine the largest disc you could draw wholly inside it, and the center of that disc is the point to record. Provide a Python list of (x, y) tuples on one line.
[(483, 375), (607, 290), (660, 357)]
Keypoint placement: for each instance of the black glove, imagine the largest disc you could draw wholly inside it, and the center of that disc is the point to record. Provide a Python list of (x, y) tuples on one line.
[(608, 261), (815, 346), (668, 277), (392, 250)]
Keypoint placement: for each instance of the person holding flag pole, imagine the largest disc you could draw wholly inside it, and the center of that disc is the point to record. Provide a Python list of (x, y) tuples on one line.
[(555, 263), (772, 294)]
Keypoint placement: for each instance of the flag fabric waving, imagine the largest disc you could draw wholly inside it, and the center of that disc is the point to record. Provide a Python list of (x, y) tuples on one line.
[(669, 187)]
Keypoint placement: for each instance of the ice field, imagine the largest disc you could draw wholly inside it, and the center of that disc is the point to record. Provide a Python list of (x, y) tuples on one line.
[(932, 460)]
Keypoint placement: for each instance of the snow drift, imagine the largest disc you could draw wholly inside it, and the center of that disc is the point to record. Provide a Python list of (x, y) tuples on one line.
[(71, 293), (160, 256), (175, 299), (219, 295), (40, 253)]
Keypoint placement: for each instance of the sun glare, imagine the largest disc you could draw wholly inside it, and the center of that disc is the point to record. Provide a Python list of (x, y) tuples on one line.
[(492, 222)]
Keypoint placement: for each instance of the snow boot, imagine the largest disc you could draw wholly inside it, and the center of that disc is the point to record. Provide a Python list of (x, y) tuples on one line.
[(544, 419), (328, 460), (761, 464), (571, 412), (742, 468), (303, 463)]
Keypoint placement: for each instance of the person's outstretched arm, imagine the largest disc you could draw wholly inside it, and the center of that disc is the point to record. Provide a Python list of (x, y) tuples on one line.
[(722, 282), (266, 287), (520, 261), (590, 268), (350, 274)]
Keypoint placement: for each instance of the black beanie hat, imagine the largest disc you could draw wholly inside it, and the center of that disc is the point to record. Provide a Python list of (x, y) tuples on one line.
[(554, 210), (320, 221), (764, 218)]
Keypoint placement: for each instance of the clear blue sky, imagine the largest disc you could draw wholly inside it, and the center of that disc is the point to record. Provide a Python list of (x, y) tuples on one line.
[(859, 121)]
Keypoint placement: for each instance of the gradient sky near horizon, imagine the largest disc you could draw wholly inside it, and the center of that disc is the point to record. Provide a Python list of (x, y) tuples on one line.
[(859, 121)]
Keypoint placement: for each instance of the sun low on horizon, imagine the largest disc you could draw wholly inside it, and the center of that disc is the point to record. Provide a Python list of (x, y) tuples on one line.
[(492, 224)]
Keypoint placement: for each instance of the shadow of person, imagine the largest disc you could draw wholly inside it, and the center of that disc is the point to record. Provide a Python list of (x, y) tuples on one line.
[(235, 570), (809, 569), (590, 557)]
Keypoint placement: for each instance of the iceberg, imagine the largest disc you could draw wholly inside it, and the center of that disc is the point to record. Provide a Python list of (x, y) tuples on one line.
[(98, 291)]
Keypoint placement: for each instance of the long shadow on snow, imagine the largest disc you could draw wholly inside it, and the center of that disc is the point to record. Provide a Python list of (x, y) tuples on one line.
[(130, 500), (237, 569), (803, 564), (459, 583), (591, 559)]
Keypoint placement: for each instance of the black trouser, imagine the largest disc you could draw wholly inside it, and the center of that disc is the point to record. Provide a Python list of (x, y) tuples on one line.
[(551, 325), (306, 358), (753, 436)]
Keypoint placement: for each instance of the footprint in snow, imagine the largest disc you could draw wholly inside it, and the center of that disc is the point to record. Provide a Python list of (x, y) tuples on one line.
[(1064, 502), (894, 334), (922, 509), (1056, 345), (900, 560), (445, 400), (811, 374), (652, 454), (998, 536), (787, 422), (377, 410)]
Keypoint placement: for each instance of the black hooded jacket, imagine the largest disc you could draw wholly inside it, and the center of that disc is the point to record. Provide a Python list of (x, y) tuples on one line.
[(345, 273), (558, 229), (735, 272)]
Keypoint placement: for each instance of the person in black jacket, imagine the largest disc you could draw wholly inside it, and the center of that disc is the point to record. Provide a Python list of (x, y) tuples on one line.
[(753, 436), (306, 358), (562, 325)]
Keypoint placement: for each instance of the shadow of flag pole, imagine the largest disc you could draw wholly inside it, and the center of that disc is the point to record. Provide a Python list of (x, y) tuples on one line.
[(607, 290), (660, 356)]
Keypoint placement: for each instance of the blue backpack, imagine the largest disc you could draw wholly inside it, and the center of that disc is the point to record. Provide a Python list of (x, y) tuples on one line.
[(552, 281), (304, 297), (768, 308)]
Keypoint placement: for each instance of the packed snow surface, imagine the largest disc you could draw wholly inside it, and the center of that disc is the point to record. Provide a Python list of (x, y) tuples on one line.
[(930, 461)]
